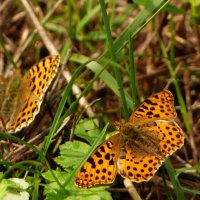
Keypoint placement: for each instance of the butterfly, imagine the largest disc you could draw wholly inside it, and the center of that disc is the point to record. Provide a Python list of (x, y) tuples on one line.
[(140, 147), (21, 97)]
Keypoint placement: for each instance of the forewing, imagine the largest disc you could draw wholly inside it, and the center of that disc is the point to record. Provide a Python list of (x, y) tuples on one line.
[(157, 106), (35, 82), (100, 168), (40, 76)]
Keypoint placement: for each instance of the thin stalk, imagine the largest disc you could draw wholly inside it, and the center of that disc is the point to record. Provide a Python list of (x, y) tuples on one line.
[(133, 80), (113, 56)]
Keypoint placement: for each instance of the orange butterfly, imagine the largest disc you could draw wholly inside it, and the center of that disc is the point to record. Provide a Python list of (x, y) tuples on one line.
[(139, 148), (21, 97)]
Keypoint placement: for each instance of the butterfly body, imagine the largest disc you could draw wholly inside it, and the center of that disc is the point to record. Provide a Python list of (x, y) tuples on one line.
[(140, 147), (21, 96), (143, 142)]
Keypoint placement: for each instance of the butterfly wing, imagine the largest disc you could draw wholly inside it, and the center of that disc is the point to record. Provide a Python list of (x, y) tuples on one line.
[(139, 159), (40, 76), (157, 106), (137, 166), (2, 96), (100, 168), (2, 90), (36, 82), (11, 92), (170, 135), (3, 83)]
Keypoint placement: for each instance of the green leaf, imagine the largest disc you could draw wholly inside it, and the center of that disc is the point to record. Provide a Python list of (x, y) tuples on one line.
[(14, 189), (70, 153), (51, 189), (61, 175), (90, 194), (54, 192), (87, 130)]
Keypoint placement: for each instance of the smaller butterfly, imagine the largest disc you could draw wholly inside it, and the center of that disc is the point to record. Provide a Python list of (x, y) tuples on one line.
[(139, 148), (21, 97)]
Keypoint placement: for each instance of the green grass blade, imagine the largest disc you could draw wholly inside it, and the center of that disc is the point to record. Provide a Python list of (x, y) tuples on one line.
[(177, 188), (133, 80), (7, 53), (105, 75), (20, 141), (177, 88), (112, 51), (61, 107), (87, 18), (137, 24)]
